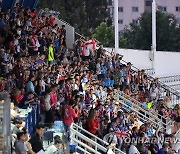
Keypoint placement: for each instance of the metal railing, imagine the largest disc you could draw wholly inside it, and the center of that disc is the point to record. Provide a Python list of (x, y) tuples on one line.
[(149, 71), (176, 86), (151, 113), (168, 79), (87, 144), (143, 114), (176, 145)]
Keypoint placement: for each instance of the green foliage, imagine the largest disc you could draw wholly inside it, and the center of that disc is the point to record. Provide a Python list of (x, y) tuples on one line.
[(84, 15), (105, 34), (123, 42), (139, 36)]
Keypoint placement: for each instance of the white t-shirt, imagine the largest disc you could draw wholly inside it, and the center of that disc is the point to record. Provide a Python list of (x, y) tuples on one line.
[(86, 51), (153, 92), (51, 149), (98, 68), (133, 150), (47, 102), (75, 87), (43, 84)]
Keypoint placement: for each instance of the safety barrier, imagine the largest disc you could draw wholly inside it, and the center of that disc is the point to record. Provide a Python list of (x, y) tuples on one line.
[(131, 104), (87, 144), (33, 118), (151, 113), (172, 78)]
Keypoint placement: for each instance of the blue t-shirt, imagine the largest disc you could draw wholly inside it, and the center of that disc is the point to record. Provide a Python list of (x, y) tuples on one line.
[(103, 69), (2, 23), (123, 75), (144, 104), (161, 151), (107, 82)]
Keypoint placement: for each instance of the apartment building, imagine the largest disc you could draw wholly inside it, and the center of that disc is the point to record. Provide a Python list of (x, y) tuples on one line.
[(131, 10)]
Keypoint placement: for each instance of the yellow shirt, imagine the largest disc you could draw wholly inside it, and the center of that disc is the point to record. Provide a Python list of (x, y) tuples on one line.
[(149, 105), (50, 54)]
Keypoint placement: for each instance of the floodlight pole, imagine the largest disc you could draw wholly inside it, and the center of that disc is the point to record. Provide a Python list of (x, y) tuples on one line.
[(154, 33), (154, 25), (116, 26)]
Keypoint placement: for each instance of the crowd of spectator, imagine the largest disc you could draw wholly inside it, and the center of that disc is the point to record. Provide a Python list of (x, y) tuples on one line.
[(36, 66)]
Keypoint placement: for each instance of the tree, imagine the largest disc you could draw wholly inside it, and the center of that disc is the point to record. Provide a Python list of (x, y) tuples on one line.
[(84, 15), (139, 36), (105, 34)]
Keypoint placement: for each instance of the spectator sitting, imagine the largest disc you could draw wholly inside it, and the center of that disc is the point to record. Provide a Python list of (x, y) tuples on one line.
[(133, 149), (57, 147), (19, 145), (26, 101), (164, 149)]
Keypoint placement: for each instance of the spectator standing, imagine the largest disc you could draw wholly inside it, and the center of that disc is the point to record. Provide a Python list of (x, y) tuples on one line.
[(69, 115), (36, 139), (51, 54), (92, 123)]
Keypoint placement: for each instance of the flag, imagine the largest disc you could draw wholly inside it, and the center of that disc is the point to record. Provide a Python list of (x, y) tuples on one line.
[(122, 134), (88, 45)]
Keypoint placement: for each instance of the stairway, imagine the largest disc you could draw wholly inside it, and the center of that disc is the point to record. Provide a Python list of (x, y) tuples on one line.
[(87, 145)]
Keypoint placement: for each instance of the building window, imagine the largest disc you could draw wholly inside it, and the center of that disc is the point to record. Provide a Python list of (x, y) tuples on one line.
[(135, 21), (135, 9), (178, 21), (148, 3), (178, 9), (109, 2), (120, 9), (109, 11), (120, 21), (162, 8)]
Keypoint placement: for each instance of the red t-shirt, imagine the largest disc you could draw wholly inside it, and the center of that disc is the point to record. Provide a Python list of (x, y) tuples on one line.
[(54, 99), (69, 115), (18, 98), (92, 124), (51, 21)]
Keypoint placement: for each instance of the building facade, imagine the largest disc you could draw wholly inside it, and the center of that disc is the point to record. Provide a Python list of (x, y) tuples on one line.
[(131, 10)]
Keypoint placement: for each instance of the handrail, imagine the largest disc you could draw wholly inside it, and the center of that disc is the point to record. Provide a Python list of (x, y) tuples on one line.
[(177, 132), (148, 68), (117, 96), (151, 113), (85, 152), (168, 76), (173, 85), (140, 105), (139, 108), (92, 135), (77, 134), (89, 141), (177, 143), (85, 145)]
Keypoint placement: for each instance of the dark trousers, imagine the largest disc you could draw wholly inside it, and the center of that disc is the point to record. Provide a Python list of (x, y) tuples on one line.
[(49, 117)]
